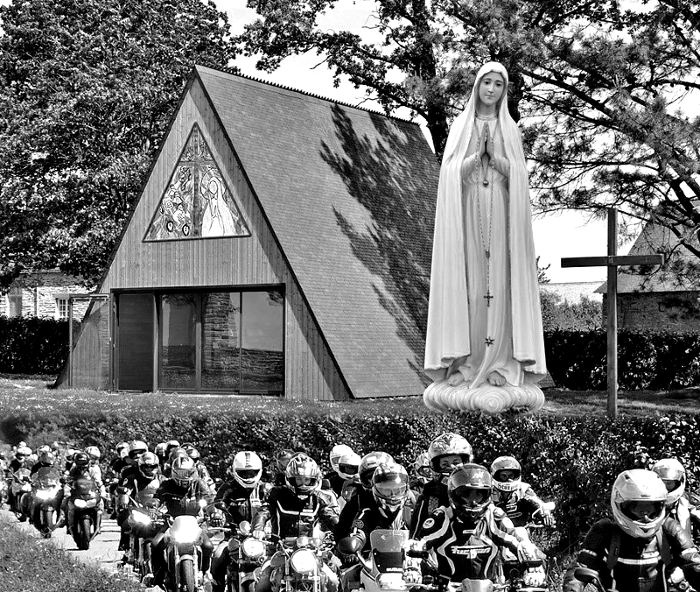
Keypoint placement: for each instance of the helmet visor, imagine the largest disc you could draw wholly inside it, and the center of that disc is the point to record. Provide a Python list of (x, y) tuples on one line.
[(642, 510), (348, 469), (149, 470), (672, 484), (247, 473), (506, 475), (470, 497)]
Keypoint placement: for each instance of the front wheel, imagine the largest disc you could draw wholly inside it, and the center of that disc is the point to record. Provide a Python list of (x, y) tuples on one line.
[(82, 536), (187, 579)]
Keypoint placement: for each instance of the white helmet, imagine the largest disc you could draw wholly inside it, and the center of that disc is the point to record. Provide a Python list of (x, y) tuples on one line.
[(638, 500), (506, 472), (336, 452), (448, 444), (247, 468), (93, 452), (349, 465), (672, 473)]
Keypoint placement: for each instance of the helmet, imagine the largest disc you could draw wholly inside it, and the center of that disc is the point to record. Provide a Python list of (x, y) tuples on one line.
[(70, 453), (176, 453), (169, 445), (192, 452), (247, 468), (369, 463), (93, 452), (81, 460), (47, 457), (183, 471), (122, 449), (137, 448), (55, 446), (160, 449), (638, 500), (302, 474), (421, 467), (148, 465), (23, 451), (348, 465), (448, 445), (43, 448), (281, 458), (469, 491), (336, 452), (506, 471), (672, 473), (390, 486)]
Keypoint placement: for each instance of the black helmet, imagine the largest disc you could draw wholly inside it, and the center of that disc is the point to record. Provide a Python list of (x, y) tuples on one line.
[(469, 490), (81, 460)]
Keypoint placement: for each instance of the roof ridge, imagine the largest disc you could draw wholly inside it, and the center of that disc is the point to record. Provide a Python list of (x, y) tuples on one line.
[(234, 72)]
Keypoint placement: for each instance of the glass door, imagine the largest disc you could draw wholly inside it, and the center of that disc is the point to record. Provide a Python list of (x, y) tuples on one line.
[(178, 343), (134, 328)]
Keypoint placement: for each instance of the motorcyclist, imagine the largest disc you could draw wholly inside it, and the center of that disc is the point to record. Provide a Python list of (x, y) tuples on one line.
[(202, 470), (336, 477), (633, 551), (242, 499), (278, 466), (81, 469), (298, 508), (118, 463), (421, 473), (359, 494), (136, 449), (388, 510), (515, 497), (137, 486), (444, 453), (349, 470), (175, 453), (159, 451), (184, 493), (678, 507), (47, 459), (464, 536), (20, 461)]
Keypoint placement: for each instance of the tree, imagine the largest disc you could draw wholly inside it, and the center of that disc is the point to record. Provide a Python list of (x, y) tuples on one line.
[(597, 86), (87, 88)]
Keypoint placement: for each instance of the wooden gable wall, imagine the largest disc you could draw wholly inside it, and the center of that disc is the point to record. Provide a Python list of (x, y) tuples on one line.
[(310, 371)]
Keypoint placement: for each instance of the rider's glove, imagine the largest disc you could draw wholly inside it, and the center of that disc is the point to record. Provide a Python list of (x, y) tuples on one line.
[(412, 576), (548, 519), (534, 576)]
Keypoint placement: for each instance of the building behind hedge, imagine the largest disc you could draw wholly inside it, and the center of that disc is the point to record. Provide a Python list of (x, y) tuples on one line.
[(281, 246)]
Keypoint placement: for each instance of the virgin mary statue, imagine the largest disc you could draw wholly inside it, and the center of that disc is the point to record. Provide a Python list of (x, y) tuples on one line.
[(484, 343)]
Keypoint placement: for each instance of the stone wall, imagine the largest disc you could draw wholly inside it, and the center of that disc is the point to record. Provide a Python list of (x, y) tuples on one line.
[(658, 311), (41, 301)]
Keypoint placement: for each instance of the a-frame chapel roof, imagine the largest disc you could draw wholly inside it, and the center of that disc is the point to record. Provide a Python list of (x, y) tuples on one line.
[(350, 197)]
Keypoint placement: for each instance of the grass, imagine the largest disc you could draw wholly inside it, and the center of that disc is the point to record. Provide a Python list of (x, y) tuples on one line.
[(29, 564), (33, 394)]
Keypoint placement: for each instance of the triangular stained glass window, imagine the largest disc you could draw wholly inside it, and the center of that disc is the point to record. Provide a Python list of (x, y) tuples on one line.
[(196, 203)]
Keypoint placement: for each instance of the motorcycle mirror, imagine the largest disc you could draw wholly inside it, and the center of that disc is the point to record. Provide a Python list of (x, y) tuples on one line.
[(549, 506), (349, 545), (586, 575), (244, 527)]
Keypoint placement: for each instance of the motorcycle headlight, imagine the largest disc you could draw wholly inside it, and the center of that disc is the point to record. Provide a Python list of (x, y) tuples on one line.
[(79, 503), (141, 518), (253, 547), (303, 561), (44, 495)]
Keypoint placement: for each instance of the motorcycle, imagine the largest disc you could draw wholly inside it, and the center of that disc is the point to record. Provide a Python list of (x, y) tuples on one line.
[(45, 504), (183, 552), (384, 569), (144, 523), (299, 564), (86, 501), (246, 556), (21, 489)]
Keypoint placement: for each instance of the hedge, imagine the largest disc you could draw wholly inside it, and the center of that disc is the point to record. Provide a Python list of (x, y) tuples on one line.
[(575, 359), (32, 345), (572, 460)]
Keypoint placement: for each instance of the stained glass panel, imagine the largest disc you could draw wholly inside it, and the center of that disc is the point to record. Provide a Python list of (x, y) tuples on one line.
[(196, 203)]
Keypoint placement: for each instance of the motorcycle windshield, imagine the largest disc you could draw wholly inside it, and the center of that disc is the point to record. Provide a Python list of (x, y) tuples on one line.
[(46, 478), (388, 549), (84, 487)]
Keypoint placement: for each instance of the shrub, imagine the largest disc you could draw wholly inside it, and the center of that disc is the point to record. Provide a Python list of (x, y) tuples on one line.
[(32, 345)]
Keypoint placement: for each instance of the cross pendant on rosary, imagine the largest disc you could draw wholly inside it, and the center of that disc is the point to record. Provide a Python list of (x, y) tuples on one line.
[(489, 341), (488, 298)]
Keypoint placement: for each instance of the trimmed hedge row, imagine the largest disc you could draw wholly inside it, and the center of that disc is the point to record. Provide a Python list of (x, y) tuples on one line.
[(572, 460), (32, 345), (575, 359)]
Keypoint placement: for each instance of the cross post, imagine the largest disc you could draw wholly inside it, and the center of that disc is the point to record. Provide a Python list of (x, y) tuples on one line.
[(612, 262)]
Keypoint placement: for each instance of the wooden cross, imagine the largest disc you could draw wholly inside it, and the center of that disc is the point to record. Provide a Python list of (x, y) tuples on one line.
[(612, 262)]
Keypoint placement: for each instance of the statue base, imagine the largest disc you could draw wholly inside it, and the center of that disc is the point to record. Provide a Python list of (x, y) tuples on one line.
[(488, 399)]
